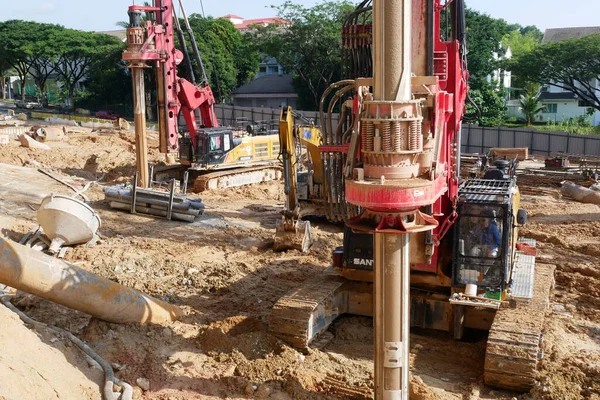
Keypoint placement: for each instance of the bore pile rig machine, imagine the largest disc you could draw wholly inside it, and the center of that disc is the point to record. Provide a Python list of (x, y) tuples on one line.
[(401, 170), (407, 182), (411, 253), (212, 153)]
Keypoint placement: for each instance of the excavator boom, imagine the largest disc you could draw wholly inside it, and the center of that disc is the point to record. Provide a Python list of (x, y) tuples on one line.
[(290, 231)]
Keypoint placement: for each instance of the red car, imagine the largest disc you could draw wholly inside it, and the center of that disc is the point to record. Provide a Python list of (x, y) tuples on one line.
[(105, 114)]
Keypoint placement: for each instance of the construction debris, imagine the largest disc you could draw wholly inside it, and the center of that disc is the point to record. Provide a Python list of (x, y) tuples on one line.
[(122, 124), (522, 153), (29, 142), (48, 133), (154, 202), (580, 193), (61, 121), (67, 221), (77, 191), (157, 202)]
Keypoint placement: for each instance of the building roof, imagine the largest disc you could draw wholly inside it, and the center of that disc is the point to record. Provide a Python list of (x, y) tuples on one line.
[(261, 21), (119, 33), (231, 16), (267, 84), (558, 34), (558, 96)]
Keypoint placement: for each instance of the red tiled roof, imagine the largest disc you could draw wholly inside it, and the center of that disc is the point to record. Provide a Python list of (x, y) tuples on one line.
[(261, 21), (231, 16)]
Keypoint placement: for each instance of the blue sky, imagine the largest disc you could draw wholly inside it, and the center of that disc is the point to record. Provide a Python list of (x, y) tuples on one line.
[(103, 14)]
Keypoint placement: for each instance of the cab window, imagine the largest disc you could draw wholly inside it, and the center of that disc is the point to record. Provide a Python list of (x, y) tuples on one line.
[(215, 143), (226, 143)]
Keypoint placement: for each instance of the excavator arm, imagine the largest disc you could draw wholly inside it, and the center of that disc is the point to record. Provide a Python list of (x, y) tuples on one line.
[(290, 231)]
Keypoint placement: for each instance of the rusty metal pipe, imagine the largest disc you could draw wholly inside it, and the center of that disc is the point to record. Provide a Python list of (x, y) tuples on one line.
[(139, 118), (34, 272)]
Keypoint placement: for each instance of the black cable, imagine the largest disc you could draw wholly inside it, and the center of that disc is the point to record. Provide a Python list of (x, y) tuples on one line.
[(109, 376)]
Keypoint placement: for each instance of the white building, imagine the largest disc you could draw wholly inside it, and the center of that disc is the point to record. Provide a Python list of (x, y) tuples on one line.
[(502, 76), (561, 105)]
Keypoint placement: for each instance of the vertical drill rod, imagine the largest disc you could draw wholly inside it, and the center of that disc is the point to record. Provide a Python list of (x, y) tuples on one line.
[(392, 316), (392, 82), (139, 118)]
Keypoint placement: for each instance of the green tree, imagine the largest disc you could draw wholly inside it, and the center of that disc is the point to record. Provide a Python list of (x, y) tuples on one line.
[(521, 41), (77, 50), (572, 65), (228, 58), (521, 44), (487, 41), (17, 43), (530, 106), (484, 39), (4, 74), (42, 58), (108, 84), (309, 48), (489, 104)]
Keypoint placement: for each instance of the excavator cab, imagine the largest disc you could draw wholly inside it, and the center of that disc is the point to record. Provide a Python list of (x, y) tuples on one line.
[(212, 146)]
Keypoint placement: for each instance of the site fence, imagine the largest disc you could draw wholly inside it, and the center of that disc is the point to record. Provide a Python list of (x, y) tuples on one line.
[(241, 117), (478, 139)]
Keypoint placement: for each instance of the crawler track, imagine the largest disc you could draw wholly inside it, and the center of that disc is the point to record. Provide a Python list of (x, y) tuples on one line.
[(302, 314), (514, 350), (235, 177)]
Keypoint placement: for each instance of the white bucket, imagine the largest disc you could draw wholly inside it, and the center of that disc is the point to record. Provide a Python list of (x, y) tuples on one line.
[(471, 289)]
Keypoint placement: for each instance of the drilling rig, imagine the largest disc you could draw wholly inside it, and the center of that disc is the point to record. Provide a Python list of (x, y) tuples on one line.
[(408, 258), (212, 153)]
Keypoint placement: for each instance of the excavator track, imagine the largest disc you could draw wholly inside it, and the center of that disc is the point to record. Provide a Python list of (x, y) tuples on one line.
[(307, 311), (336, 385), (514, 349), (236, 177)]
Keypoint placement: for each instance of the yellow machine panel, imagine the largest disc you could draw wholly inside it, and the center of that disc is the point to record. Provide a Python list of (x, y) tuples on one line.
[(254, 149)]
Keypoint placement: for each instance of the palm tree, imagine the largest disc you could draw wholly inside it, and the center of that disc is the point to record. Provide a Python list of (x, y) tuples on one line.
[(530, 106)]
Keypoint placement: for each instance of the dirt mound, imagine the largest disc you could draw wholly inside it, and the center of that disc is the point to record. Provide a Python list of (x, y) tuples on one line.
[(87, 155), (31, 368), (240, 333), (259, 191), (419, 390), (353, 329)]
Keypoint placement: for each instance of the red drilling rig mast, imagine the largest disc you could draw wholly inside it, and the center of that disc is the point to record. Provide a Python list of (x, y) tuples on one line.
[(153, 41)]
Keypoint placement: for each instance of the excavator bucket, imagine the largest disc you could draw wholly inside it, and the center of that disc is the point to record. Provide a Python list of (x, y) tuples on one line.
[(292, 235)]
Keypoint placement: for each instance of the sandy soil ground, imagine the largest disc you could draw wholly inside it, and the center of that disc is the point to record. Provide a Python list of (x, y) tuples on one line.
[(223, 272)]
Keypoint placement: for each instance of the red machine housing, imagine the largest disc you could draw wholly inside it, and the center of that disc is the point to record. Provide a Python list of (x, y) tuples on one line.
[(428, 196)]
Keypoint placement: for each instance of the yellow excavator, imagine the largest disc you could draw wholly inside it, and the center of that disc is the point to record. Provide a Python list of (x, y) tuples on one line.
[(303, 176)]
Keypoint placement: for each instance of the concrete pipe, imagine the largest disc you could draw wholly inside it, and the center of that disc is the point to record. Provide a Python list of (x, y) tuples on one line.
[(52, 279), (115, 205)]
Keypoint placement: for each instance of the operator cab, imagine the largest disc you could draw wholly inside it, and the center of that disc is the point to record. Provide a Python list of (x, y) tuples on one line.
[(212, 146), (484, 232)]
